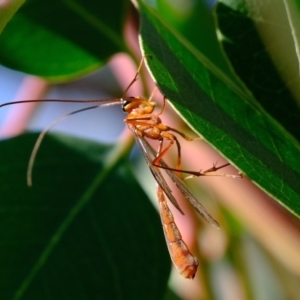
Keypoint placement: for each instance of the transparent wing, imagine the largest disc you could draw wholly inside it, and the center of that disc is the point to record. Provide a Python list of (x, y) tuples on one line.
[(149, 154)]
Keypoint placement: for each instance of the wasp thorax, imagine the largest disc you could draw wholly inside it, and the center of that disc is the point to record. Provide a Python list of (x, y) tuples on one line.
[(147, 107), (137, 106)]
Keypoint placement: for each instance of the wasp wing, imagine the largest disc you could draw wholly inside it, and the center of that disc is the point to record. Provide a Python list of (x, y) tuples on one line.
[(149, 154), (149, 157)]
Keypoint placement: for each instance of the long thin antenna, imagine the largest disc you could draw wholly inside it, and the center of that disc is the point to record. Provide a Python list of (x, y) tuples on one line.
[(59, 100), (56, 121)]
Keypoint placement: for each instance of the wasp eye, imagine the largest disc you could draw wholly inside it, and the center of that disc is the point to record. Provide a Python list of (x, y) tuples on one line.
[(125, 102), (130, 103)]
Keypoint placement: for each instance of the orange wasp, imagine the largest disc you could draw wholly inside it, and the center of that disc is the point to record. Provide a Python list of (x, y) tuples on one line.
[(145, 124)]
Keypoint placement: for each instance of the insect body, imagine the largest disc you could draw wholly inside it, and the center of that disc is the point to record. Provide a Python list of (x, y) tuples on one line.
[(143, 123)]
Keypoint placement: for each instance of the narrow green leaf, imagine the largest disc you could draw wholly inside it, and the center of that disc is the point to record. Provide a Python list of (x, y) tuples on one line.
[(252, 60), (221, 112), (185, 18), (62, 40), (293, 11), (85, 230), (7, 9)]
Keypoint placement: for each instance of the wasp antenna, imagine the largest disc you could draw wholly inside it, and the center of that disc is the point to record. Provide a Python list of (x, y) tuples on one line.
[(47, 129), (100, 101)]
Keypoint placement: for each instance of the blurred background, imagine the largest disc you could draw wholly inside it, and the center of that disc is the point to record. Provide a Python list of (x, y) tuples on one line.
[(255, 254)]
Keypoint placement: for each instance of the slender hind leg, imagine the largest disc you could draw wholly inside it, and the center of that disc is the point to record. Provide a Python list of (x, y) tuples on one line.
[(136, 75)]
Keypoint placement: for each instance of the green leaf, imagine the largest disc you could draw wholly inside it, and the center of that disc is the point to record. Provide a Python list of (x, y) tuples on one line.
[(222, 112), (62, 40), (185, 18), (7, 9), (85, 230), (292, 12), (252, 61)]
